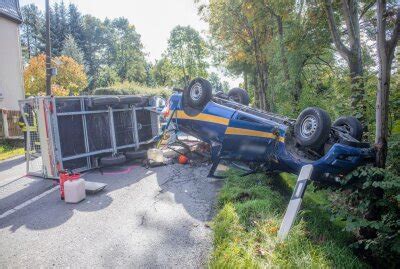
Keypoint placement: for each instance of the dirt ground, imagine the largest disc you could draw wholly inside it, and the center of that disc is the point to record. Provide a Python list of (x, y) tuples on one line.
[(148, 218)]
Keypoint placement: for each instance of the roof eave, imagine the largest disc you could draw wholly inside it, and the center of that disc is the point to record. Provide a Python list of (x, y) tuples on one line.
[(11, 18)]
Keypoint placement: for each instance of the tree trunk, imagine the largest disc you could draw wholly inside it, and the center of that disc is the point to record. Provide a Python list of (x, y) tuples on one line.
[(382, 105), (282, 49), (385, 50), (357, 88), (256, 95), (298, 87), (245, 82), (352, 54)]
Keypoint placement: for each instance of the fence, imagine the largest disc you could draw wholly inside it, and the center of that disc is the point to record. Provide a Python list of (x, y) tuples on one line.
[(72, 133), (9, 124)]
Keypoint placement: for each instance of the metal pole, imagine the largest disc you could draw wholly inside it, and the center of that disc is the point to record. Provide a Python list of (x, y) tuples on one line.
[(48, 50), (112, 130)]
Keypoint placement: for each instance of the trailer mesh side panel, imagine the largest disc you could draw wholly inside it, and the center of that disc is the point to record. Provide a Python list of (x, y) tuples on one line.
[(70, 129), (123, 128), (80, 163), (144, 125), (98, 126)]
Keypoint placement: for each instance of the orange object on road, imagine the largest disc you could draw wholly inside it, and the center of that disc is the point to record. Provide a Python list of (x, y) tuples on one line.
[(182, 159)]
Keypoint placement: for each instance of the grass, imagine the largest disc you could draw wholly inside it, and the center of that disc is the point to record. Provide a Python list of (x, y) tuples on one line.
[(10, 148), (250, 212)]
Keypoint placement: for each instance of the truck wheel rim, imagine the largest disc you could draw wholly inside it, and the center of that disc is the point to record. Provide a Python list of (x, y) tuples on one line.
[(196, 91), (308, 127)]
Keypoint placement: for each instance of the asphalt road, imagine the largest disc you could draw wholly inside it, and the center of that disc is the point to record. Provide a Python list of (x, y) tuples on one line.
[(145, 218)]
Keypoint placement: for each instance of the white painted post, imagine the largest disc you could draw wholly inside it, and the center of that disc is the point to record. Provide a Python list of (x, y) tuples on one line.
[(5, 124), (295, 201)]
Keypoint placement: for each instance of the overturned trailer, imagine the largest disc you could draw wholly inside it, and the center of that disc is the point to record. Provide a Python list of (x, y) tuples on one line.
[(76, 133)]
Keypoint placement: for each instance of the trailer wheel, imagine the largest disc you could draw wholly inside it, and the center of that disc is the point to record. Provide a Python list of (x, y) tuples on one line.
[(239, 95), (113, 160), (312, 127), (133, 155), (198, 93), (352, 125)]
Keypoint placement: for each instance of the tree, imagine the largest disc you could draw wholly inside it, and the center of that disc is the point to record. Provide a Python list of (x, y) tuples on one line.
[(31, 30), (385, 50), (215, 82), (126, 54), (107, 77), (164, 72), (75, 26), (72, 50), (244, 30), (70, 78), (93, 47), (58, 27), (352, 53), (187, 51)]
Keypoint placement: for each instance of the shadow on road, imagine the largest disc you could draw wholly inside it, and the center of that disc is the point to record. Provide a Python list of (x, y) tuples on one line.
[(186, 185), (9, 164)]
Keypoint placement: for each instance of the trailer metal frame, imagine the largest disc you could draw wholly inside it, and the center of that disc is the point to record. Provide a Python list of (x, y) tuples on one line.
[(44, 156)]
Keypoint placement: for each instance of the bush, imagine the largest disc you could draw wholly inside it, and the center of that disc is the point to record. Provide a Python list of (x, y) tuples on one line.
[(370, 207), (133, 88), (393, 163)]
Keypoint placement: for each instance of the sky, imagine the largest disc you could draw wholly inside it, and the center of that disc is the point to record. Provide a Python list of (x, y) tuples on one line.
[(153, 19)]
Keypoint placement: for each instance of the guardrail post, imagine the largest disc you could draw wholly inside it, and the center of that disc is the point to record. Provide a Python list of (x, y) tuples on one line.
[(295, 201)]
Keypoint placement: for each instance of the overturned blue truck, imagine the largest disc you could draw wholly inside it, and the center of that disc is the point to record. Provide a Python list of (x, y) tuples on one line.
[(266, 141)]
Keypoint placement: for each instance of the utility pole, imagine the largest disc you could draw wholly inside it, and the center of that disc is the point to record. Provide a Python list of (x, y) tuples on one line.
[(48, 50)]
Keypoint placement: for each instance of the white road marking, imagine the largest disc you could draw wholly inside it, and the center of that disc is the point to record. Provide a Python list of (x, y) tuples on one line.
[(26, 203)]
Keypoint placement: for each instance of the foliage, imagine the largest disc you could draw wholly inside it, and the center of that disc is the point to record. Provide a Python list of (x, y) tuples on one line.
[(72, 50), (10, 148), (215, 82), (370, 208), (126, 87), (394, 154), (112, 43), (70, 78), (250, 212), (164, 72), (31, 36), (187, 52), (107, 77)]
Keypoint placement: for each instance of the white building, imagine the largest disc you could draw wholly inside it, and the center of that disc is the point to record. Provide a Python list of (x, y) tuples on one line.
[(11, 69)]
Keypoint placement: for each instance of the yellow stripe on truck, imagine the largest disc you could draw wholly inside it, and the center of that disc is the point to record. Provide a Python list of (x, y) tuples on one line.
[(180, 114), (248, 132)]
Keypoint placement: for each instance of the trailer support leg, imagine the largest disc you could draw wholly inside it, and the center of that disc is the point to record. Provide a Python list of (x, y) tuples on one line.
[(215, 158)]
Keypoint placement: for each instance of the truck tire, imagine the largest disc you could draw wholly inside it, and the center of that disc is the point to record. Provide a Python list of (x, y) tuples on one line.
[(352, 125), (312, 127), (199, 93), (239, 95), (113, 160)]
